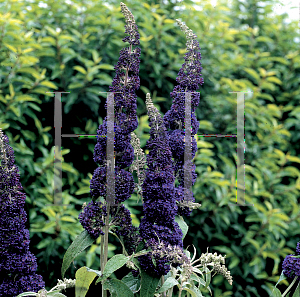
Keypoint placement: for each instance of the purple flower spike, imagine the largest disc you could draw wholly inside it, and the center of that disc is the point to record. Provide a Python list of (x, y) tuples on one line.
[(189, 78), (124, 85), (158, 224), (17, 264)]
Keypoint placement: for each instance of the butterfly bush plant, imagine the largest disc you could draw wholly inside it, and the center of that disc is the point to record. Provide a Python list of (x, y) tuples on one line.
[(154, 251)]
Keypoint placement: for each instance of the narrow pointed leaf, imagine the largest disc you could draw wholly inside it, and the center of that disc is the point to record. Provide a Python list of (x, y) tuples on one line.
[(81, 242)]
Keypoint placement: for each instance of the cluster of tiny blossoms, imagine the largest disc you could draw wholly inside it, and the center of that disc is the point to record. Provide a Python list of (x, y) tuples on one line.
[(291, 265), (61, 285), (17, 263), (125, 122), (216, 261), (158, 223), (189, 78)]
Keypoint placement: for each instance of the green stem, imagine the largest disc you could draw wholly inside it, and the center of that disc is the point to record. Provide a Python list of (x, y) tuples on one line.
[(180, 290), (104, 293), (290, 286), (101, 258)]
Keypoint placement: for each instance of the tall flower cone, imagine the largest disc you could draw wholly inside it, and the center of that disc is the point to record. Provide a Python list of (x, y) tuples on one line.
[(17, 264), (158, 225), (125, 122), (189, 78)]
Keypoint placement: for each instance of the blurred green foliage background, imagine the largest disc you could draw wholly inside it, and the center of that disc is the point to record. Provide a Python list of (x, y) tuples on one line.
[(49, 46)]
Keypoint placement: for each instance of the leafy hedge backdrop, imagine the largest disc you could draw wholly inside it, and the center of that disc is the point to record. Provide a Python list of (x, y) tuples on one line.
[(73, 47)]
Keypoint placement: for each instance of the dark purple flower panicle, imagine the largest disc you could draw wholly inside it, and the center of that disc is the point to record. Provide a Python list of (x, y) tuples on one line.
[(158, 223), (92, 218), (189, 78), (124, 85), (291, 265), (121, 218), (17, 263)]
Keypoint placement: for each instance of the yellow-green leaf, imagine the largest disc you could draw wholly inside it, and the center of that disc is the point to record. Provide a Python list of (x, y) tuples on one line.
[(22, 98), (84, 279), (80, 69), (51, 31), (264, 39), (67, 167), (270, 73), (274, 80), (49, 39), (106, 66), (11, 90), (253, 73), (280, 60), (12, 48), (293, 159), (68, 219), (157, 16), (38, 124), (49, 84), (145, 39), (169, 21)]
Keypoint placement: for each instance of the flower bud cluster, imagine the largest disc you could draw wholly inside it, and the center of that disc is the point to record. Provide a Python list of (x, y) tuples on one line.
[(189, 77), (139, 163), (215, 260), (65, 284), (158, 223), (17, 264)]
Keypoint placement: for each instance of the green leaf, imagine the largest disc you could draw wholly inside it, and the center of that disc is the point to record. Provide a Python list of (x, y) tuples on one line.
[(27, 294), (112, 265), (168, 284), (51, 31), (68, 219), (140, 247), (38, 124), (118, 287), (276, 293), (297, 291), (80, 69), (81, 242), (84, 279), (207, 277), (274, 80), (234, 262), (22, 98), (96, 56), (191, 292), (55, 294), (253, 73), (83, 190), (182, 224), (15, 110), (49, 84), (293, 159), (68, 167), (148, 284), (12, 48), (76, 85), (106, 66), (131, 282)]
